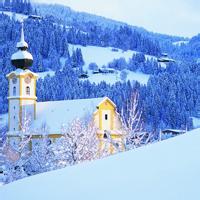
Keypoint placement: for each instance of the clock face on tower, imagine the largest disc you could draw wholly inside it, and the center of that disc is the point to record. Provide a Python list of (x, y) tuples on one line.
[(14, 80), (27, 79)]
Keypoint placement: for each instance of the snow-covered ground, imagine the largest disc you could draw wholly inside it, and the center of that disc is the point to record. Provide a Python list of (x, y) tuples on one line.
[(179, 43), (196, 122), (162, 171), (103, 55), (18, 17), (113, 78), (44, 74)]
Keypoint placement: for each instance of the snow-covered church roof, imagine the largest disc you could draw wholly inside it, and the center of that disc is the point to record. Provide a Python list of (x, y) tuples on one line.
[(55, 114), (19, 55)]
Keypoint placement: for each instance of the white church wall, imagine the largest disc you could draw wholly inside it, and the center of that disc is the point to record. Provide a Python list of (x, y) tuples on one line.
[(28, 109), (14, 110)]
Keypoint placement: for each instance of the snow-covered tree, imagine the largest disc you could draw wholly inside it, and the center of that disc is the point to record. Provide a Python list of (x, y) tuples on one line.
[(93, 66), (132, 124), (80, 141), (17, 151), (15, 158), (123, 75)]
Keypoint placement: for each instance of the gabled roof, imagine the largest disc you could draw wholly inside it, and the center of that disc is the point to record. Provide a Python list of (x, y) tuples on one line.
[(57, 113), (107, 99)]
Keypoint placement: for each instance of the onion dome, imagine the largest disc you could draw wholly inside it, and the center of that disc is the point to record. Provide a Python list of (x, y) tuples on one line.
[(22, 58)]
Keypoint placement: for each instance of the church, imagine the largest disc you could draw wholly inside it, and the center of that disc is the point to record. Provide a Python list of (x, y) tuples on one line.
[(23, 105)]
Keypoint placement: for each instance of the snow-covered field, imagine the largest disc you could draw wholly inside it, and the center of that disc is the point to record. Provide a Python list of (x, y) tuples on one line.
[(179, 43), (44, 74), (18, 17), (113, 78), (196, 122), (102, 56), (167, 170)]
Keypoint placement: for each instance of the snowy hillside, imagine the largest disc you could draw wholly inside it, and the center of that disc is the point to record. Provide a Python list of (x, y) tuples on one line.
[(113, 78), (166, 170), (102, 56), (179, 43), (17, 17)]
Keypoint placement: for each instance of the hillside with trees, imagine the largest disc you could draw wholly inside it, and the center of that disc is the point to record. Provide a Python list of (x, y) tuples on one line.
[(170, 98)]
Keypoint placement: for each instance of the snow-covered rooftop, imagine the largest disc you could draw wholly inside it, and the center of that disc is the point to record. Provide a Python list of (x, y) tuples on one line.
[(19, 71), (57, 113), (21, 55), (162, 171)]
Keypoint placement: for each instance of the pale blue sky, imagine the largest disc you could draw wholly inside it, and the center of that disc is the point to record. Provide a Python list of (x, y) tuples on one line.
[(177, 17)]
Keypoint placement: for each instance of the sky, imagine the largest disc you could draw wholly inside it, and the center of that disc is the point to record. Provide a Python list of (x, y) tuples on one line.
[(174, 17)]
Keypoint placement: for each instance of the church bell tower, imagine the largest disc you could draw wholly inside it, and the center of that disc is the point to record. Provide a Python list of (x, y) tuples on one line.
[(22, 88)]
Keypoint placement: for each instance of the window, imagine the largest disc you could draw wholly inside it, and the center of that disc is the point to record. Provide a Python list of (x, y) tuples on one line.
[(28, 90), (14, 91), (106, 117), (14, 107), (14, 117)]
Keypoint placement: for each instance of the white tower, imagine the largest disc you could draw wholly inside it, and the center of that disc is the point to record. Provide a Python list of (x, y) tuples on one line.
[(22, 88)]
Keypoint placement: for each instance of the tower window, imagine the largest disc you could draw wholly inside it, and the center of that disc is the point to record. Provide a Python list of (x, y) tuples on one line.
[(14, 117), (28, 92), (106, 117), (14, 91)]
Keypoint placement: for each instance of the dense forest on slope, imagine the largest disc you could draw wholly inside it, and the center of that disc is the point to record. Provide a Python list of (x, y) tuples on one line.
[(169, 100)]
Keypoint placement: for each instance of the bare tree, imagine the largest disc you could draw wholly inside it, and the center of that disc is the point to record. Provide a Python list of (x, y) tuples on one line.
[(132, 124)]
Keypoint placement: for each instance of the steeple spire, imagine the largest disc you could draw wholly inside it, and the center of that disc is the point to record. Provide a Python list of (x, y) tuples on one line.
[(22, 32), (22, 44), (22, 58)]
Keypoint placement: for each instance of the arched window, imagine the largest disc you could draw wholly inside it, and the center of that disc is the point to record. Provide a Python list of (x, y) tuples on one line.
[(28, 90), (14, 91)]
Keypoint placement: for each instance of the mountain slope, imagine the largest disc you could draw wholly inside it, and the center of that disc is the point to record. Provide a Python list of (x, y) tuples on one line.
[(166, 170)]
